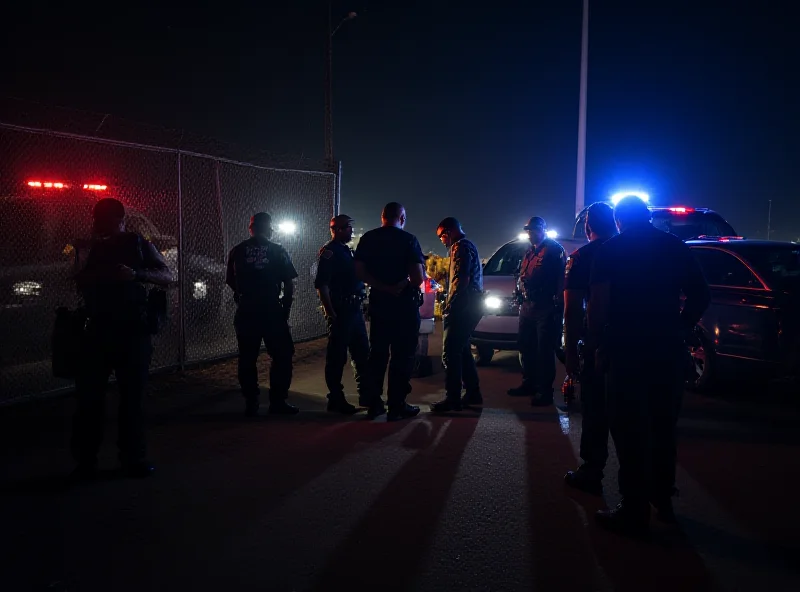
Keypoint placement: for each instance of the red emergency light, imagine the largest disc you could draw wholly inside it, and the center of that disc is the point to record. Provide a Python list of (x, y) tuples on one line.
[(47, 184), (681, 210), (93, 187)]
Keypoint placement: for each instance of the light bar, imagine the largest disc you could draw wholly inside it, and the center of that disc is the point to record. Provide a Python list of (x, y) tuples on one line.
[(617, 197), (93, 187), (551, 234), (47, 184), (681, 210)]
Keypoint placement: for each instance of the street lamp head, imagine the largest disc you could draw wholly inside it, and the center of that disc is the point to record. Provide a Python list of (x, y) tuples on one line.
[(351, 16)]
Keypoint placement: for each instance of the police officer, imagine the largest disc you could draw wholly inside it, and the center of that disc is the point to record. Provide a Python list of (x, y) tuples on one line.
[(541, 282), (599, 226), (258, 269), (462, 312), (117, 337), (638, 329), (341, 294), (390, 260)]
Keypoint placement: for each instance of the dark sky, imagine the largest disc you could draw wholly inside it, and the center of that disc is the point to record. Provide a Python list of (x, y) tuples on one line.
[(452, 108)]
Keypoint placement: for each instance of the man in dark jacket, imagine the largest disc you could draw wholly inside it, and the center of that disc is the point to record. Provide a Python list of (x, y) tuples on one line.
[(637, 329), (117, 338), (462, 312)]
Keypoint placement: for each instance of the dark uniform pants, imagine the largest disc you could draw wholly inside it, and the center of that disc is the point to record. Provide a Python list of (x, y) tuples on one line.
[(128, 356), (538, 332), (457, 357), (273, 330), (394, 332), (594, 422), (347, 332), (645, 390)]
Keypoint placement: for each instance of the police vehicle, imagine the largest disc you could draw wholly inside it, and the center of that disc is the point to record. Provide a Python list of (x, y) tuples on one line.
[(753, 322), (497, 330), (42, 222)]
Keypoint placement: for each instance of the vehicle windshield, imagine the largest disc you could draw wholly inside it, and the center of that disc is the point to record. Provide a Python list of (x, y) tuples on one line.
[(779, 264), (692, 225), (507, 259)]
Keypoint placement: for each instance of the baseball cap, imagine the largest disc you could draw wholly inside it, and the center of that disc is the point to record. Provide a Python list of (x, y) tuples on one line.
[(341, 221), (535, 223), (261, 219)]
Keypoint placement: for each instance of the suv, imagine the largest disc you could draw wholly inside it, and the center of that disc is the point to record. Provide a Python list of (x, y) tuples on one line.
[(497, 330), (754, 317)]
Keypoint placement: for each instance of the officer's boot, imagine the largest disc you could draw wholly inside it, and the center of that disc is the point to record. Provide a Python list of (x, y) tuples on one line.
[(586, 479), (251, 406), (522, 390), (541, 400), (472, 398), (449, 403), (337, 403), (627, 518)]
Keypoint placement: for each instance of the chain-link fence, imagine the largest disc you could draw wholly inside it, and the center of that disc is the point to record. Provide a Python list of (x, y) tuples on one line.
[(193, 207)]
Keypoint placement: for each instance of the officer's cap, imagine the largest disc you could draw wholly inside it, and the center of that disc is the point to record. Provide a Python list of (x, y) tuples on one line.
[(261, 219), (109, 209), (535, 223), (341, 221)]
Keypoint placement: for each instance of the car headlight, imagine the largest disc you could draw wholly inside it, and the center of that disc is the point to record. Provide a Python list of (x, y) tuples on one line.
[(27, 288), (492, 302)]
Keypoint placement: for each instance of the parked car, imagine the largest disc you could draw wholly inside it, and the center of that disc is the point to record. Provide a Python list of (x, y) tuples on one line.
[(40, 228), (497, 330), (753, 323)]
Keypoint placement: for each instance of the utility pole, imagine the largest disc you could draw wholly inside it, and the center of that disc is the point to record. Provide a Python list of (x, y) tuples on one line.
[(330, 161), (580, 183), (769, 219), (329, 91)]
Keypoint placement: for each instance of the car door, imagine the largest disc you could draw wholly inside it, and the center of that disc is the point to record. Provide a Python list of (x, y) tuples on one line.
[(740, 318)]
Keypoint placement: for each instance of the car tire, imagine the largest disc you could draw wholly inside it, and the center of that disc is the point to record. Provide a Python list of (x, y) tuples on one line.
[(483, 355), (702, 363)]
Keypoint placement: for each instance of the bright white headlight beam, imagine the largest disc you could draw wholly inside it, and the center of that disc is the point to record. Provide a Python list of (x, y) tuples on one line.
[(617, 197), (287, 227)]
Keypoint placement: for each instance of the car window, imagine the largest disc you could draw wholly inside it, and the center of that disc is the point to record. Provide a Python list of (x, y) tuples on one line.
[(777, 263), (723, 269), (691, 225), (507, 259)]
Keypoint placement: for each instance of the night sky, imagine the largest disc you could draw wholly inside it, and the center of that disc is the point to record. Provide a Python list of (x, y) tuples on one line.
[(455, 108)]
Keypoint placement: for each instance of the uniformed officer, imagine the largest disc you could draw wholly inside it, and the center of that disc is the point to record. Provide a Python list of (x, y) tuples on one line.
[(599, 226), (258, 269), (541, 287), (638, 329), (117, 337), (462, 312), (341, 294), (390, 260)]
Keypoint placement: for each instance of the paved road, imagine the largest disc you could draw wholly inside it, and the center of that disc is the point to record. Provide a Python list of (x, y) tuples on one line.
[(467, 502)]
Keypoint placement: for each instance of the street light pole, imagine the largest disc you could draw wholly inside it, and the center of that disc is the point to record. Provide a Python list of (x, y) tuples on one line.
[(580, 183), (329, 157), (769, 219)]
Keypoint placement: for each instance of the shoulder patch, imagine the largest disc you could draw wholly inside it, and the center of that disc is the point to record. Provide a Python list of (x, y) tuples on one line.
[(326, 253)]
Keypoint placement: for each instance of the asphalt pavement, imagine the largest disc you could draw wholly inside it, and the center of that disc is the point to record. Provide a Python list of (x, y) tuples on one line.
[(470, 501)]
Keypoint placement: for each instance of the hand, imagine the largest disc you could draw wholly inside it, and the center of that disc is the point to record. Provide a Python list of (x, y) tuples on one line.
[(398, 288), (122, 273)]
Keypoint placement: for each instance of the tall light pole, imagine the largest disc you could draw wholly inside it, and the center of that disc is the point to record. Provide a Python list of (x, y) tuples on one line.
[(580, 183), (329, 157), (769, 219)]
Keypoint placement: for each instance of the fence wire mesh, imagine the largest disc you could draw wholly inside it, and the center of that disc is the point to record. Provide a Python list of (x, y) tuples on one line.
[(193, 207)]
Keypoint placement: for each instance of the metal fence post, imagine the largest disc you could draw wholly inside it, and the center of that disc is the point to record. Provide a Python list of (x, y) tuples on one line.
[(181, 277), (337, 198)]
